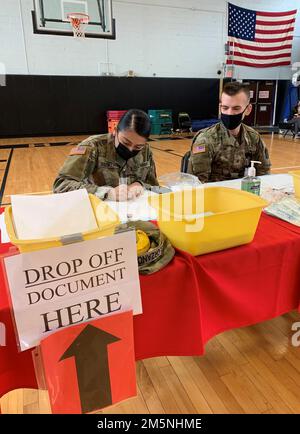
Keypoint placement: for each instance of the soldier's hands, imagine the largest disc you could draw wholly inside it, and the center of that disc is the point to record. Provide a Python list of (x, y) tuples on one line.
[(118, 194), (124, 192), (135, 190)]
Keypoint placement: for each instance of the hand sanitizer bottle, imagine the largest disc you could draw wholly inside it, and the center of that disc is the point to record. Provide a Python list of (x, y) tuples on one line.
[(251, 183)]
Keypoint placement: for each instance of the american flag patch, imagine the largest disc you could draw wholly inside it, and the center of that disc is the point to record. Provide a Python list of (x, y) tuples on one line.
[(199, 148), (80, 150)]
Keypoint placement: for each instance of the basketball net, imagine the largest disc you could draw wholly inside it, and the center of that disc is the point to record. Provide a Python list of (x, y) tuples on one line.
[(78, 22)]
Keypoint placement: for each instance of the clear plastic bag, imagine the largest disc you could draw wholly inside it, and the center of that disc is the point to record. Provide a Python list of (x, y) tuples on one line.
[(179, 181)]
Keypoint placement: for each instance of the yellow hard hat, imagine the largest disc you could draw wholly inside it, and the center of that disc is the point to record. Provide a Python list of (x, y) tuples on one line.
[(142, 242)]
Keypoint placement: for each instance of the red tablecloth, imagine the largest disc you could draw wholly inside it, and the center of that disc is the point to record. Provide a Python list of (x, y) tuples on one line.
[(193, 299)]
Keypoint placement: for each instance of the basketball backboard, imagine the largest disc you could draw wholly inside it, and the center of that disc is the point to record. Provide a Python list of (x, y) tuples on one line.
[(50, 17)]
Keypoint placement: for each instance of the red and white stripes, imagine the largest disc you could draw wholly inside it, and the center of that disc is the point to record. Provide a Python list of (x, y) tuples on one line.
[(272, 45)]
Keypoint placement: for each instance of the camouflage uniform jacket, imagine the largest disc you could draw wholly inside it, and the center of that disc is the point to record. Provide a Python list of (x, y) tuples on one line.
[(95, 163), (218, 156)]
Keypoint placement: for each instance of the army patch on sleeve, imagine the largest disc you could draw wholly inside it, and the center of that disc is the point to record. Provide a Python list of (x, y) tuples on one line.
[(198, 148), (79, 150)]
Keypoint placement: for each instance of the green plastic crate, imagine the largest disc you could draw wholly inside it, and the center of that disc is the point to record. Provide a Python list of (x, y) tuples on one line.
[(159, 129), (160, 116)]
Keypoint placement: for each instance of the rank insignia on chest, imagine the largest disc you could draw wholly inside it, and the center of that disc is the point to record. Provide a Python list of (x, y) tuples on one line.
[(199, 148), (79, 150)]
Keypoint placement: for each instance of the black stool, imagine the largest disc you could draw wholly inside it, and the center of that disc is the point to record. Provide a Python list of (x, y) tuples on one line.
[(288, 127)]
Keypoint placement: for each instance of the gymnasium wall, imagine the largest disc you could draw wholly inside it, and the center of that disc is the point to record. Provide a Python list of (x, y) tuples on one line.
[(54, 105), (162, 38), (54, 84)]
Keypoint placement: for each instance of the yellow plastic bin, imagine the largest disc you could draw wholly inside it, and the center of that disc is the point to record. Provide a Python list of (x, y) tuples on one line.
[(221, 218), (106, 219), (296, 178)]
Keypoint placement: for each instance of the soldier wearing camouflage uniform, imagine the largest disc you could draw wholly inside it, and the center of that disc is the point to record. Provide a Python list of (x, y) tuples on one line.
[(222, 152), (97, 163)]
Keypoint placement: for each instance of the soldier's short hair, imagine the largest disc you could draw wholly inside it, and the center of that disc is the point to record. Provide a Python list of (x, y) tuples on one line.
[(235, 87)]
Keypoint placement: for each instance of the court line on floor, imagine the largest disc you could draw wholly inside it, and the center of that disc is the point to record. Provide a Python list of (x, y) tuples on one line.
[(4, 180), (182, 155), (168, 152), (288, 167), (36, 145)]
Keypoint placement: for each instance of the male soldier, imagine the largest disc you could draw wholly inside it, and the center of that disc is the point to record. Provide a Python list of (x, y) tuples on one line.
[(222, 152), (116, 167)]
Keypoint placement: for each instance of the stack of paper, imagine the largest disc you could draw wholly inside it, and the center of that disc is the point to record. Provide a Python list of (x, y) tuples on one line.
[(54, 215), (287, 209), (135, 209)]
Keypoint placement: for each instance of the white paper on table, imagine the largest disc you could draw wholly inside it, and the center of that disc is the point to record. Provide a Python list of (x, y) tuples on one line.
[(54, 215), (281, 181), (276, 181), (4, 235), (287, 209), (136, 209)]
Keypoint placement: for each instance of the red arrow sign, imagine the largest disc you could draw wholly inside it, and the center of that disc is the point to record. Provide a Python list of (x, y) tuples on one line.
[(90, 350), (84, 365)]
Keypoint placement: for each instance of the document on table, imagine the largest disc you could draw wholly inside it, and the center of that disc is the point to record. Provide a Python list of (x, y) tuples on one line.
[(282, 181), (135, 209), (53, 215), (287, 209)]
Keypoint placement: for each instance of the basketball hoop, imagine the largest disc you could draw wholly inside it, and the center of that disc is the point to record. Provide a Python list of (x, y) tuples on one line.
[(78, 22)]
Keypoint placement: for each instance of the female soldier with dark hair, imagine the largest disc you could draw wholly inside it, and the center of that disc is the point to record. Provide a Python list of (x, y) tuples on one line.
[(114, 166)]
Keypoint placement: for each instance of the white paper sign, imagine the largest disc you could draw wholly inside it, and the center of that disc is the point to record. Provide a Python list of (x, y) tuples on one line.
[(264, 94), (59, 287)]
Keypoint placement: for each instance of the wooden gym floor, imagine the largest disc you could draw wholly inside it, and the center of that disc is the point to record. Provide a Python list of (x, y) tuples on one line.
[(249, 370)]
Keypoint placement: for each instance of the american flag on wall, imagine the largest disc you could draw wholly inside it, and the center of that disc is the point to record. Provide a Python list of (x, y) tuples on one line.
[(259, 39)]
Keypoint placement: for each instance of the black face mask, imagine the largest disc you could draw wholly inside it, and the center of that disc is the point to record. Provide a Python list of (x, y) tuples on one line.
[(125, 153), (231, 122)]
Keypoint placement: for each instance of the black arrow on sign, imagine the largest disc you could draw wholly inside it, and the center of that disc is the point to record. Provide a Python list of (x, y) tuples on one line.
[(90, 350)]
